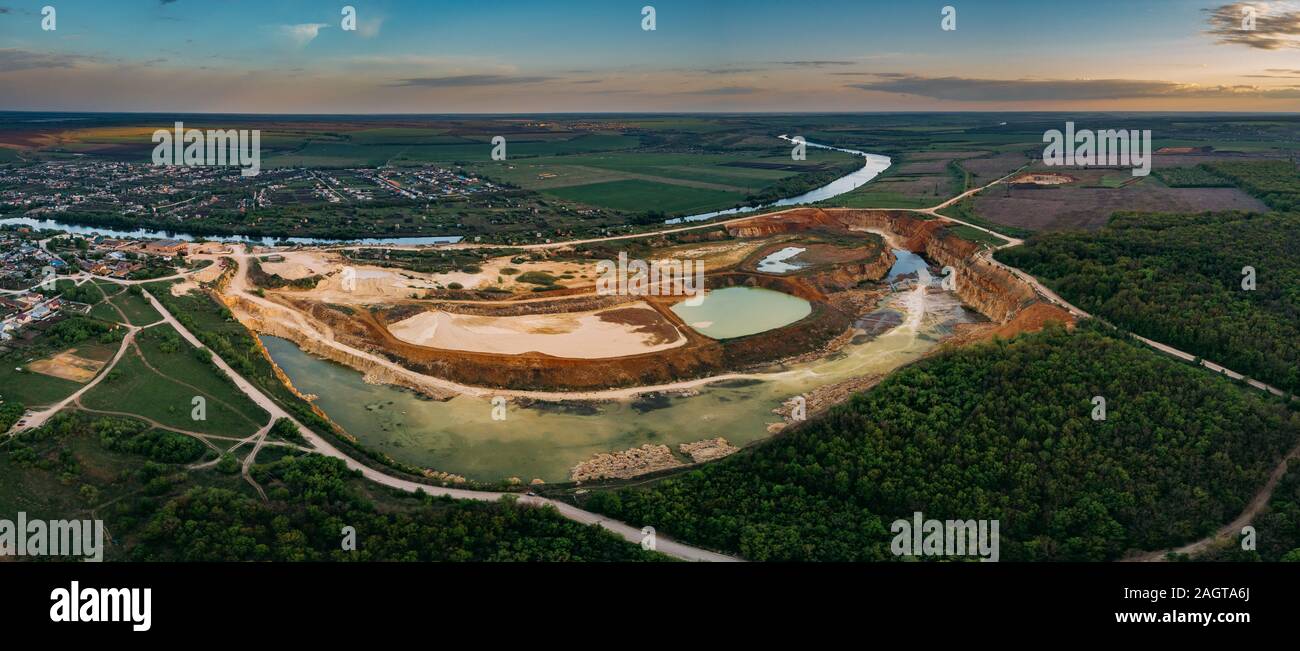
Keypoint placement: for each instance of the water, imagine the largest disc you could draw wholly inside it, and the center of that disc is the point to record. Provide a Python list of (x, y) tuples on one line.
[(144, 233), (738, 311), (872, 166), (776, 262), (459, 436), (906, 262)]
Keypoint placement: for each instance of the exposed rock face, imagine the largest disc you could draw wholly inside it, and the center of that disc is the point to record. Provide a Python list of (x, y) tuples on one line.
[(992, 291), (708, 449), (700, 356), (848, 276), (625, 464), (313, 342)]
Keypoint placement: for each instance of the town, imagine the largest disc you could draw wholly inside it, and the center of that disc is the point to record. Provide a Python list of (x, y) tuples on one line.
[(36, 269), (90, 189)]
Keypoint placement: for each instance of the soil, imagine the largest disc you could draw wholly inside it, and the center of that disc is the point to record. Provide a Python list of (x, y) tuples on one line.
[(68, 366)]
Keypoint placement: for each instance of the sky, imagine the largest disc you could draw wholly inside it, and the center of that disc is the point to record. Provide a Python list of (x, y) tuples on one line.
[(530, 56)]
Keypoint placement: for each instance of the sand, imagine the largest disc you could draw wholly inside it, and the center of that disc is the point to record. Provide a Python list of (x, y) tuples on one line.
[(630, 329), (299, 264)]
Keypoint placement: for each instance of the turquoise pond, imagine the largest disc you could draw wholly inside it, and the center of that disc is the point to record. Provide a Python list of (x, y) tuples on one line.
[(738, 311)]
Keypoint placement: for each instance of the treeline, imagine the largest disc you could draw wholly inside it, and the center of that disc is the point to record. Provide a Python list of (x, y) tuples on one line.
[(1199, 176), (10, 412), (312, 499), (131, 436), (1276, 183), (1178, 279), (77, 328), (1277, 528), (798, 184), (1003, 431), (261, 278), (177, 514), (436, 261)]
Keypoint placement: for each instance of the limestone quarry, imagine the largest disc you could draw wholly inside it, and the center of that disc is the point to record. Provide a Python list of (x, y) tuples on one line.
[(562, 341)]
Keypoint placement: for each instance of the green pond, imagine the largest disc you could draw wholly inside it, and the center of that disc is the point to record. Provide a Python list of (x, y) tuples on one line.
[(546, 441), (738, 311)]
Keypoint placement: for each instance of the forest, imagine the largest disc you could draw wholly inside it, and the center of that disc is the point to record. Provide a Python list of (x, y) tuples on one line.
[(159, 510), (1276, 183), (1277, 529), (1004, 430), (1179, 279)]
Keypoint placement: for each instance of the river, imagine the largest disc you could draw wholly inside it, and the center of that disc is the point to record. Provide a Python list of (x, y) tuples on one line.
[(874, 164), (144, 233), (460, 436)]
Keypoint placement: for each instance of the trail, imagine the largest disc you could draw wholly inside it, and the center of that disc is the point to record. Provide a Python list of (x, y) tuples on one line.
[(321, 446), (1257, 503)]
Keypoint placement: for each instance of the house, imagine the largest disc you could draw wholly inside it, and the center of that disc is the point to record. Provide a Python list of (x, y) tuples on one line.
[(165, 247)]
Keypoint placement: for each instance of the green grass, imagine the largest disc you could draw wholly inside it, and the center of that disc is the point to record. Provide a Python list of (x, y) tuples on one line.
[(975, 235), (105, 312), (137, 308), (883, 199), (133, 388), (536, 278), (169, 354), (33, 389), (964, 210), (52, 492), (640, 196)]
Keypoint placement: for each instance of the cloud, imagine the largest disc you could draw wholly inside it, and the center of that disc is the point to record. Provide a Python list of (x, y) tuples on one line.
[(728, 71), (443, 63), (165, 2), (962, 89), (370, 28), (302, 33), (815, 63), (462, 81), (1277, 25), (12, 59), (1277, 73), (725, 90)]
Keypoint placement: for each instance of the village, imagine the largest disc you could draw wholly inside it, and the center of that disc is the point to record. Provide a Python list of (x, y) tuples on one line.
[(35, 268), (62, 188)]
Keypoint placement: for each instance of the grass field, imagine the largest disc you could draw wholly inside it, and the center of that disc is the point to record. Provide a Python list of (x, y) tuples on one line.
[(47, 493), (162, 384), (33, 389), (636, 196), (137, 308), (976, 235)]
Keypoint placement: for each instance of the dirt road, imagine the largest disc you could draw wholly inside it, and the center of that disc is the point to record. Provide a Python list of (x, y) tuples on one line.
[(321, 446)]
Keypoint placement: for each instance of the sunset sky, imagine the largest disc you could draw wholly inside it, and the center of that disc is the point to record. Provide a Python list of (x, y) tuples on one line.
[(499, 56)]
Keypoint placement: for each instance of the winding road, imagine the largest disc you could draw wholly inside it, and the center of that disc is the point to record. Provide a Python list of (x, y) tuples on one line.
[(320, 445)]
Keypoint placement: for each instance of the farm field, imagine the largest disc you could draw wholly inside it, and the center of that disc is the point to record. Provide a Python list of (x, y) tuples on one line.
[(1090, 204)]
